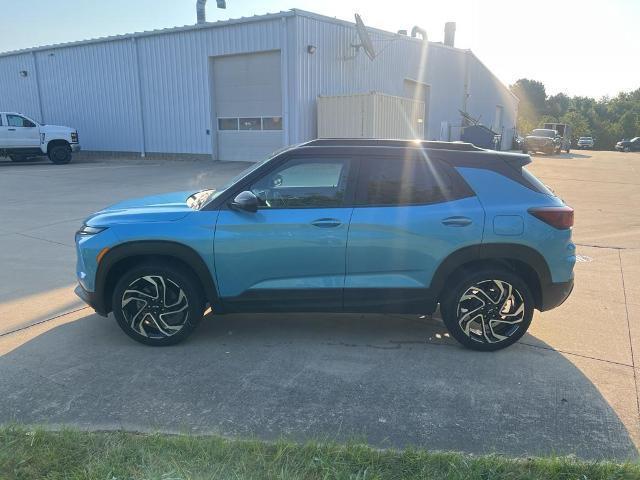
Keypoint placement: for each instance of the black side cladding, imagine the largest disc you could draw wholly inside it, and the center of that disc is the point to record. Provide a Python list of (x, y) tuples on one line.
[(507, 164)]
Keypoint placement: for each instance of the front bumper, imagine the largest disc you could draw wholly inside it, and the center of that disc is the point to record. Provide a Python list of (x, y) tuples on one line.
[(91, 299), (75, 147), (554, 294)]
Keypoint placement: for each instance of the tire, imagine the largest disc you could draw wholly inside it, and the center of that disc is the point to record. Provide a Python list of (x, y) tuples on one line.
[(475, 333), (626, 149), (60, 154), (568, 150), (140, 301)]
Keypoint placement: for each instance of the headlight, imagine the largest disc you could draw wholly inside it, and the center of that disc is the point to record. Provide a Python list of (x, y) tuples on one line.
[(87, 230)]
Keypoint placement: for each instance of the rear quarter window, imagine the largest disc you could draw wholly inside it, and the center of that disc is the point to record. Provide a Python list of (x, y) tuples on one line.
[(535, 183)]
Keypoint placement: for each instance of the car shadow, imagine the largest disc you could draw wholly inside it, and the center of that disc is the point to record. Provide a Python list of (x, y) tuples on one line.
[(392, 380)]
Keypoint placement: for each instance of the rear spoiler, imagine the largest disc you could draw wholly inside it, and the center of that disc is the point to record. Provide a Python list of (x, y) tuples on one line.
[(516, 159)]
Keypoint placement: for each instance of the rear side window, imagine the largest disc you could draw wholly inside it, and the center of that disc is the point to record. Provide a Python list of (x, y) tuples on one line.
[(408, 181)]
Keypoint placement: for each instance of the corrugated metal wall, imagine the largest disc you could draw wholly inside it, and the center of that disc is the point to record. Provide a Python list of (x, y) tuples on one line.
[(336, 68), (94, 86), (98, 86), (19, 94)]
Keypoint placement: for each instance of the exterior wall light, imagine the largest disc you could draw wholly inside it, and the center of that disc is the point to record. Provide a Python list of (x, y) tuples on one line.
[(311, 49), (23, 73)]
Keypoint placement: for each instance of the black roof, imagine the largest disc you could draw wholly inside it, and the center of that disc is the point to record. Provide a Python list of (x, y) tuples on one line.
[(383, 142), (456, 153)]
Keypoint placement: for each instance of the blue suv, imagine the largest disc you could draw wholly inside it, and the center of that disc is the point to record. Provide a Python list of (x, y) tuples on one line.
[(339, 225)]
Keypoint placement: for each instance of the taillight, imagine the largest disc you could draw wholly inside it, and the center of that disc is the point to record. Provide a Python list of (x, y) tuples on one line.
[(74, 137), (558, 217)]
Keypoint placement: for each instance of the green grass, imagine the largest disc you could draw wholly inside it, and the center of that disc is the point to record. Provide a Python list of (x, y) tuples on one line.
[(69, 454)]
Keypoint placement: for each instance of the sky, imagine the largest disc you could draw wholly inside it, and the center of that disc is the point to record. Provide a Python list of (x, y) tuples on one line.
[(587, 48)]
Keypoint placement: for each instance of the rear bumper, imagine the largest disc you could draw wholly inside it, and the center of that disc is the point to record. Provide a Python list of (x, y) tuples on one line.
[(554, 294), (91, 299)]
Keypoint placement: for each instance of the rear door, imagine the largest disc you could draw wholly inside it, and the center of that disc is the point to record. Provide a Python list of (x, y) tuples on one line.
[(290, 254), (3, 132), (409, 214)]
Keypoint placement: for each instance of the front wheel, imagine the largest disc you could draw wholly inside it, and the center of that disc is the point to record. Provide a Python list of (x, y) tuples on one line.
[(60, 154), (157, 304), (488, 310)]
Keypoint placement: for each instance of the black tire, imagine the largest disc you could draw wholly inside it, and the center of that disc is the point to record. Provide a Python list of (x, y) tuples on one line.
[(140, 315), (480, 335), (60, 154), (627, 149), (568, 150)]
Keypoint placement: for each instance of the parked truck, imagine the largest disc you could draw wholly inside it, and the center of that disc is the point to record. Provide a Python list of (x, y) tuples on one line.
[(564, 131), (22, 137)]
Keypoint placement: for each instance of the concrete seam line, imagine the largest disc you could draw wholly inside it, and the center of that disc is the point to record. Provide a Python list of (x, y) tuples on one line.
[(44, 240), (613, 362), (41, 322), (626, 309)]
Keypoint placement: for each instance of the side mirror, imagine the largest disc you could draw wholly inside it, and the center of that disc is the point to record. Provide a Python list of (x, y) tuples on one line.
[(245, 201)]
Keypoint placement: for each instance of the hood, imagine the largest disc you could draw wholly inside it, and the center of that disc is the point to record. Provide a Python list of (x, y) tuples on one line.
[(167, 207), (56, 129)]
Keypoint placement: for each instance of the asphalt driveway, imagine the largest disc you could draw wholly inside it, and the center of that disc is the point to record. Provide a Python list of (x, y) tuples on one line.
[(569, 387)]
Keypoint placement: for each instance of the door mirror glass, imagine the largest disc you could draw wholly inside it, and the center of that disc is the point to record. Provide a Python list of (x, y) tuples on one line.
[(245, 201)]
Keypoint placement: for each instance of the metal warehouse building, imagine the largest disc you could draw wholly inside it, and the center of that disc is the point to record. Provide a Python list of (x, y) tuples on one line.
[(239, 89)]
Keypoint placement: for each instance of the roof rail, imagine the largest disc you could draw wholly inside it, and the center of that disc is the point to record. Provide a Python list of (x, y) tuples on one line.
[(382, 142)]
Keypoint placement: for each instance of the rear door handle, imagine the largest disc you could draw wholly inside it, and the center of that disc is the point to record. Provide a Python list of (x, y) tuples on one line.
[(326, 223), (457, 221)]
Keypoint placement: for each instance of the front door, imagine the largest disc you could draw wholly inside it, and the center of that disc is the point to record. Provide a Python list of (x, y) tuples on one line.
[(409, 214), (290, 254), (22, 132)]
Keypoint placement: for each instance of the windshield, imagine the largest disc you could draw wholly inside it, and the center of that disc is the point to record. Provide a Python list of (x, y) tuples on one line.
[(635, 139), (543, 132)]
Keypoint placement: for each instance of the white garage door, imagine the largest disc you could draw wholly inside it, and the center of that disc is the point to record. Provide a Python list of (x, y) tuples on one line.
[(248, 105)]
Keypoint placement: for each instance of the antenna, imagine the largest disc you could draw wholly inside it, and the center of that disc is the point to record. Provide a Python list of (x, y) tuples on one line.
[(365, 40)]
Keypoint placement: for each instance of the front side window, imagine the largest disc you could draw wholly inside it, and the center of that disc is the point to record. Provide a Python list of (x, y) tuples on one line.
[(406, 181), (304, 183), (18, 121)]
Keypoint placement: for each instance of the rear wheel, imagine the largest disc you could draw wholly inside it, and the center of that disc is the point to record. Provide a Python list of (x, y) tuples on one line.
[(157, 304), (488, 310), (60, 154)]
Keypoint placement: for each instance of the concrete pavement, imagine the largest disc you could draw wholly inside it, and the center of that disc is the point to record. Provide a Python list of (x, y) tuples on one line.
[(569, 387)]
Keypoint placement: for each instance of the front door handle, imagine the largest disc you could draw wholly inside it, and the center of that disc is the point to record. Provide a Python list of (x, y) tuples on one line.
[(326, 223), (457, 221)]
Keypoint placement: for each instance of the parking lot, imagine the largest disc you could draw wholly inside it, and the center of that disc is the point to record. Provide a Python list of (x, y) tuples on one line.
[(568, 387)]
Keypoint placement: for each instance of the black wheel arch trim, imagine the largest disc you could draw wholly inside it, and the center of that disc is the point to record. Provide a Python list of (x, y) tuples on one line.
[(178, 251), (492, 252)]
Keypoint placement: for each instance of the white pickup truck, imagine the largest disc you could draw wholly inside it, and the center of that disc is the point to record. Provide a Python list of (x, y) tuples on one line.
[(22, 137)]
